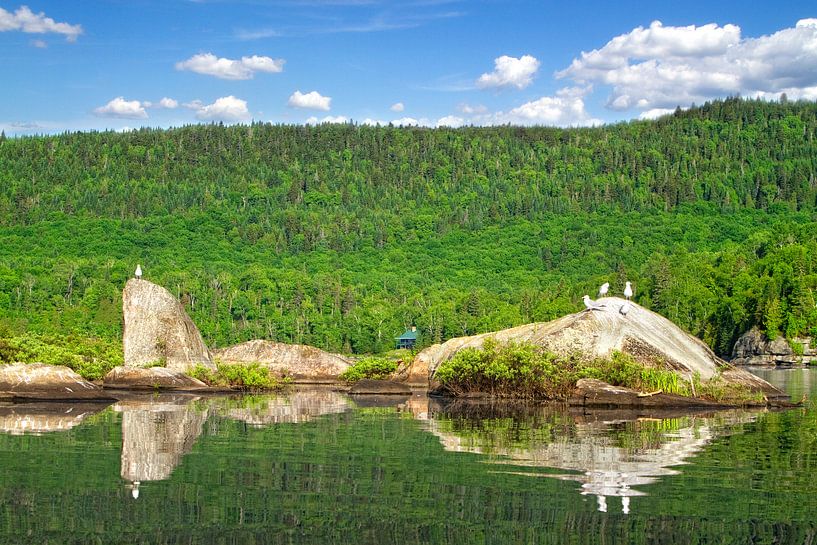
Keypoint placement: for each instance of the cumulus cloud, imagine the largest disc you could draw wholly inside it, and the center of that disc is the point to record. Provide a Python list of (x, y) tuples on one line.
[(510, 72), (565, 109), (165, 103), (468, 109), (39, 44), (655, 113), (229, 108), (121, 108), (328, 119), (311, 101), (397, 107), (373, 122), (27, 21), (450, 121), (661, 67), (223, 68)]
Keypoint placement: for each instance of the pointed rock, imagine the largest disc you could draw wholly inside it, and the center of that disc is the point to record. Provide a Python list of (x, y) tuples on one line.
[(157, 329)]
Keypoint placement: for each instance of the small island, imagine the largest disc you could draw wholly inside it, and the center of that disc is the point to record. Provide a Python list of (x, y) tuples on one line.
[(614, 353)]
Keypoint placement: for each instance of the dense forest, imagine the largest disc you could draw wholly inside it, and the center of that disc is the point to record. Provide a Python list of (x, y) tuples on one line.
[(341, 236)]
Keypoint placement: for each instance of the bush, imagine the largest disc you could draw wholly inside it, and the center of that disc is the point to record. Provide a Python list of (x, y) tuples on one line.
[(527, 371), (90, 358), (373, 368), (251, 376)]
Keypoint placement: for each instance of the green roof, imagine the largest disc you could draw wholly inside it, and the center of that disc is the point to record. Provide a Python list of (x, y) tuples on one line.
[(409, 335)]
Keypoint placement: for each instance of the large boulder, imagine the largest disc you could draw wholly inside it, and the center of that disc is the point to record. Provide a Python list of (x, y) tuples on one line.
[(302, 363), (755, 348), (649, 338), (158, 330), (40, 381), (150, 378)]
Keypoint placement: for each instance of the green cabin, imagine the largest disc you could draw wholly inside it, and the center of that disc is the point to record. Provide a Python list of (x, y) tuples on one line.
[(407, 339)]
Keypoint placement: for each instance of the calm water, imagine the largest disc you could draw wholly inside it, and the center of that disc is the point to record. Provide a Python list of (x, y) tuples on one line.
[(317, 467)]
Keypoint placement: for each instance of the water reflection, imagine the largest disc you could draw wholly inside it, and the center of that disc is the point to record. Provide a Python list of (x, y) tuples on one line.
[(610, 454), (156, 434), (295, 407), (46, 417)]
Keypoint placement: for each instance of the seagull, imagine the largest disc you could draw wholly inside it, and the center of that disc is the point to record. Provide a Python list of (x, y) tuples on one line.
[(628, 290), (138, 273), (625, 308), (603, 289), (590, 304)]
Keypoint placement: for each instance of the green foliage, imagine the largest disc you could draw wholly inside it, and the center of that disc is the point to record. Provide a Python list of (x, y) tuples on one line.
[(372, 367), (250, 376), (90, 358), (339, 236), (523, 370)]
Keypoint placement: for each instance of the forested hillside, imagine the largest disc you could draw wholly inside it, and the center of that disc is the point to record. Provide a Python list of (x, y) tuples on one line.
[(340, 236)]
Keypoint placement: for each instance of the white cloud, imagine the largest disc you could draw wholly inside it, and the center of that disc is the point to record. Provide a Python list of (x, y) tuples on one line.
[(661, 67), (165, 103), (168, 103), (328, 119), (229, 108), (397, 107), (223, 68), (566, 109), (312, 101), (373, 122), (36, 23), (193, 105), (126, 109), (40, 44), (655, 113), (468, 109), (510, 72), (450, 121)]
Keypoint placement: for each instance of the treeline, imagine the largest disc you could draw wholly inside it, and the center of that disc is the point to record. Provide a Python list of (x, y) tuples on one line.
[(342, 235)]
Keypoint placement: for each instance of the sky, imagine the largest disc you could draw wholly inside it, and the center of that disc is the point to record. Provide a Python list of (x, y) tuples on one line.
[(124, 64)]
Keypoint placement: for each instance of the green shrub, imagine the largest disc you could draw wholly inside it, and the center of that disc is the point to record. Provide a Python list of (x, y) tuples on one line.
[(90, 358), (527, 371), (373, 368), (251, 376)]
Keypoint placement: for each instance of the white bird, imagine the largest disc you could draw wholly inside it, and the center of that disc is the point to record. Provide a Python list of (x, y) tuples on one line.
[(138, 273), (590, 304), (625, 308), (628, 290), (135, 490), (603, 289)]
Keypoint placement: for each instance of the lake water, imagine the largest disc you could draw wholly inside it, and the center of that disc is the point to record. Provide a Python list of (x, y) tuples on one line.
[(318, 467)]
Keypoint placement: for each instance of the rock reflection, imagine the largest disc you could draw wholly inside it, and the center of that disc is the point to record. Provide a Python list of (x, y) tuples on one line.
[(156, 434), (295, 407), (38, 418), (610, 456)]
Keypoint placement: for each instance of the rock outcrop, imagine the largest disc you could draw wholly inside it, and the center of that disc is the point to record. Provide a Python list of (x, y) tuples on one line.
[(150, 378), (157, 329), (39, 381), (649, 338), (755, 348), (302, 363)]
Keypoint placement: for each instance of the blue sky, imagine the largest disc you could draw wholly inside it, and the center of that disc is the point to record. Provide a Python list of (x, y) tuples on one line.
[(123, 64)]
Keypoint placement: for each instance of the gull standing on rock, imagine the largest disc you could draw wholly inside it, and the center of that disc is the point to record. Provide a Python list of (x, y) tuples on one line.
[(628, 290), (138, 272), (603, 289), (625, 308)]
